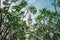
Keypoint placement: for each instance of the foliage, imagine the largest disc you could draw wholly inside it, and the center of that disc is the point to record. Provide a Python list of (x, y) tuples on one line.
[(58, 3), (50, 24), (20, 6), (15, 25), (33, 9)]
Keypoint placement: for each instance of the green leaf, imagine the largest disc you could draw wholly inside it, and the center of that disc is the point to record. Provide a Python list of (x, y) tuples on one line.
[(9, 16), (33, 9), (5, 3), (14, 0), (4, 11), (39, 17), (20, 6), (43, 11), (23, 4), (17, 8), (58, 3), (37, 38), (21, 13)]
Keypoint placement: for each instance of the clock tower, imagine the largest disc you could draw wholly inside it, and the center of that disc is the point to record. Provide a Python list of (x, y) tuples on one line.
[(29, 18)]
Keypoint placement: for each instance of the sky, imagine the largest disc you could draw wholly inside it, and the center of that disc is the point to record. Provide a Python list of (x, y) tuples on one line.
[(39, 4)]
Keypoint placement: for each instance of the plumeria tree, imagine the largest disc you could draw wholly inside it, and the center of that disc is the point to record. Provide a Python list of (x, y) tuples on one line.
[(13, 25), (47, 26)]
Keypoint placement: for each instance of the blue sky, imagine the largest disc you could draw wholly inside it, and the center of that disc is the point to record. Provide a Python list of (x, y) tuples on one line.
[(39, 4)]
